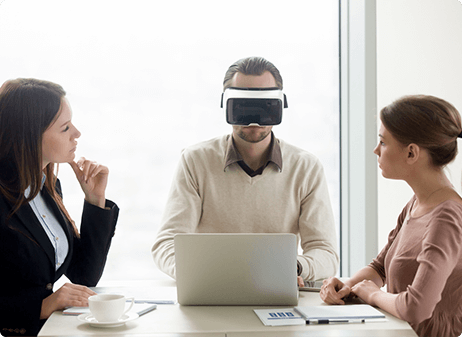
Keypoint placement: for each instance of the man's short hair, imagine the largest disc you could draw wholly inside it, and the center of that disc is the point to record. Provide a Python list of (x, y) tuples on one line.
[(252, 66)]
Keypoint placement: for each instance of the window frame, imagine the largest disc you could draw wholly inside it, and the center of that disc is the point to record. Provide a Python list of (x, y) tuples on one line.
[(358, 133)]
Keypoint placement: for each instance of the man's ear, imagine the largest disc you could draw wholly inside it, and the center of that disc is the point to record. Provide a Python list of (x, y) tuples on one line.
[(413, 153)]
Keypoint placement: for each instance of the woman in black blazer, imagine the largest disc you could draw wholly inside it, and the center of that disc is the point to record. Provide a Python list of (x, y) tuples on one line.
[(39, 242)]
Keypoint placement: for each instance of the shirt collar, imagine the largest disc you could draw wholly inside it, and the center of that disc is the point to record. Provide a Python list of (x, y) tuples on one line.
[(27, 191), (274, 155), (44, 178)]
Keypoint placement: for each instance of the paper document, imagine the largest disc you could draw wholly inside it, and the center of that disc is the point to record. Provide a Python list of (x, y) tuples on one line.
[(278, 317), (141, 294), (139, 308)]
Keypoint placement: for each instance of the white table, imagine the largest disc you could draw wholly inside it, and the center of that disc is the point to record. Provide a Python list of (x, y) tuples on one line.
[(175, 320)]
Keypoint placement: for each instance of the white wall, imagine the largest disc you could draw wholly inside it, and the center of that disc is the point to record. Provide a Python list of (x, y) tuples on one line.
[(419, 51)]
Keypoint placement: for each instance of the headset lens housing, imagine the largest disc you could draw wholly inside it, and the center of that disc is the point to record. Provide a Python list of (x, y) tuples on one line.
[(245, 106)]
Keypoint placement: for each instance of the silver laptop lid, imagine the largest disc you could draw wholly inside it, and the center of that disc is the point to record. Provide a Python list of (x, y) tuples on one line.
[(236, 269)]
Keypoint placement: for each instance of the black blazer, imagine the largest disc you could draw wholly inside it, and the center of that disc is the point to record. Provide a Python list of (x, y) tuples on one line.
[(27, 260)]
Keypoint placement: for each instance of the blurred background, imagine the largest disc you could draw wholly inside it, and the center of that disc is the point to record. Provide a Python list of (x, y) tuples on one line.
[(144, 80)]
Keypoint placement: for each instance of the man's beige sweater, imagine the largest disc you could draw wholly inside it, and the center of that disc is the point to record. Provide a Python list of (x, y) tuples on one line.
[(206, 197)]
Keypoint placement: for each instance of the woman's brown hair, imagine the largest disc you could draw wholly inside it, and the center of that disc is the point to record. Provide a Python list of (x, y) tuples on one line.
[(428, 121), (27, 108)]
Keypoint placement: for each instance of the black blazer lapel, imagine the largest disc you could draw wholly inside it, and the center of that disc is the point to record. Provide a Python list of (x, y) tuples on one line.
[(32, 224), (66, 227)]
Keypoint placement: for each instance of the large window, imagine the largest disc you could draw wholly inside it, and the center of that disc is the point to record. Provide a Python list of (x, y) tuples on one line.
[(144, 79)]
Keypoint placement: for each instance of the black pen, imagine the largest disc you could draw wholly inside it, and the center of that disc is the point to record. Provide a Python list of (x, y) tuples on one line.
[(333, 321)]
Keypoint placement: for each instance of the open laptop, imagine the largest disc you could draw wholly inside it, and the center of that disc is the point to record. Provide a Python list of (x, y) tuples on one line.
[(236, 269)]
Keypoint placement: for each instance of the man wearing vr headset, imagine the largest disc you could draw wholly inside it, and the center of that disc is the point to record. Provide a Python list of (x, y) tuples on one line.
[(250, 181)]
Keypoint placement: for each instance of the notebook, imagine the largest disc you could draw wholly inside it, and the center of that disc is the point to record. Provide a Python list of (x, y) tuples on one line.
[(236, 269), (325, 314)]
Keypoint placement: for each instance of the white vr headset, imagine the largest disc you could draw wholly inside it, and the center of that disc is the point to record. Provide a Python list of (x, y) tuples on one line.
[(253, 106)]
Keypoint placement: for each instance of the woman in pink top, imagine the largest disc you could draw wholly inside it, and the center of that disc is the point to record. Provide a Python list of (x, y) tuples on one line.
[(421, 265)]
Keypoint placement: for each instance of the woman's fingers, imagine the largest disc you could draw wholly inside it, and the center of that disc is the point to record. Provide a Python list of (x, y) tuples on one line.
[(90, 169), (77, 171), (93, 178), (333, 291), (69, 295), (87, 169), (73, 295)]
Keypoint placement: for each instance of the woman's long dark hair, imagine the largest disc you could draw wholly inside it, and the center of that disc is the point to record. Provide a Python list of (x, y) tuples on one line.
[(27, 108)]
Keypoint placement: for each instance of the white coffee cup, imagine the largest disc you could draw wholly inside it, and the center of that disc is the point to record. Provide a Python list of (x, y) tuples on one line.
[(109, 307)]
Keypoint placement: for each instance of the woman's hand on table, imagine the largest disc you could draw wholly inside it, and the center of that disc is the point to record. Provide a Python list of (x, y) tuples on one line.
[(69, 295), (365, 290), (333, 291)]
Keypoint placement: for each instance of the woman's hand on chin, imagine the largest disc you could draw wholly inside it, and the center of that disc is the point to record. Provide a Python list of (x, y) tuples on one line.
[(93, 180)]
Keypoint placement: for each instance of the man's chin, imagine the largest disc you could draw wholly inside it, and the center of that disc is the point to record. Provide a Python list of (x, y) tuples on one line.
[(255, 136)]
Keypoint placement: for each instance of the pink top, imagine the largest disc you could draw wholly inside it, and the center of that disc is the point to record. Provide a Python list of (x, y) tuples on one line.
[(422, 262)]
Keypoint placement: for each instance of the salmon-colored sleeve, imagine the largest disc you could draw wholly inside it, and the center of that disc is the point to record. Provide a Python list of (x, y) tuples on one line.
[(441, 250), (378, 264)]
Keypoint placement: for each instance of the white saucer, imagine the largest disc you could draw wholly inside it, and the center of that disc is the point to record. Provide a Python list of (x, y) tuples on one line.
[(88, 318)]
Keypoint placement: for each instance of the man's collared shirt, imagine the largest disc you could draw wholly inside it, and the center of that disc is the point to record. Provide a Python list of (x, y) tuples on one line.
[(233, 156), (51, 226)]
